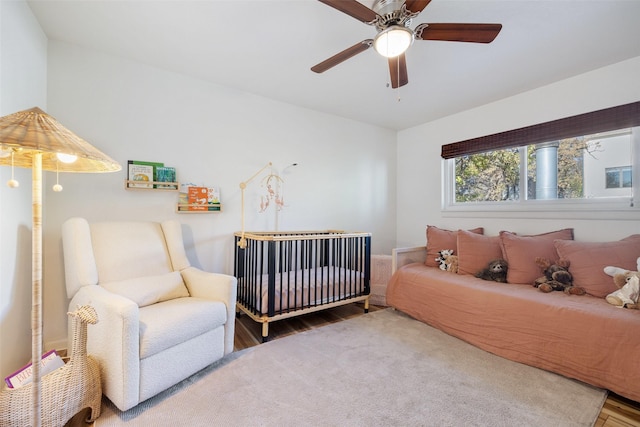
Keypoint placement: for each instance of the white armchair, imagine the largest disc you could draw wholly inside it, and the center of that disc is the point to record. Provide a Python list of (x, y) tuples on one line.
[(160, 319)]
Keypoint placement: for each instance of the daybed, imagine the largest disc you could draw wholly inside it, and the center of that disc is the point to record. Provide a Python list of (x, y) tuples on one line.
[(578, 336)]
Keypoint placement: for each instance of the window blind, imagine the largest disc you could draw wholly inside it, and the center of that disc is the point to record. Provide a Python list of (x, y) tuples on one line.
[(620, 117)]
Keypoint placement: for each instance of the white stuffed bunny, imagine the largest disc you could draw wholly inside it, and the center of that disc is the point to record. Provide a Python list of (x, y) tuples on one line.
[(629, 284)]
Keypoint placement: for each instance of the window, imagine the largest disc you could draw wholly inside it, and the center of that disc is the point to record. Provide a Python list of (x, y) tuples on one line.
[(572, 168), (547, 167), (618, 177)]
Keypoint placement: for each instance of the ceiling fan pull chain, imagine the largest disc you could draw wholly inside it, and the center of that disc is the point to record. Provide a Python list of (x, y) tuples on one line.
[(398, 74)]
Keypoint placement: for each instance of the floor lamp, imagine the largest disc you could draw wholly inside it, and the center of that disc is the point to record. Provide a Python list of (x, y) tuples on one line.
[(33, 139)]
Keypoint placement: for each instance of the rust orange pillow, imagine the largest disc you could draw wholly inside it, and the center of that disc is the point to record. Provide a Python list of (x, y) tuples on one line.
[(521, 252), (588, 259), (439, 239), (476, 251)]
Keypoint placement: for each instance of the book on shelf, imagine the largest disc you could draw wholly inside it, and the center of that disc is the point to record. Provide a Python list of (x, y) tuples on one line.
[(183, 196), (213, 195), (199, 198), (49, 362), (143, 173), (166, 174)]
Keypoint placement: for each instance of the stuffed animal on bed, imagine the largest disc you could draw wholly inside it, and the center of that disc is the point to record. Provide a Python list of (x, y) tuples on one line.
[(451, 264), (556, 277), (496, 271), (442, 258), (628, 283)]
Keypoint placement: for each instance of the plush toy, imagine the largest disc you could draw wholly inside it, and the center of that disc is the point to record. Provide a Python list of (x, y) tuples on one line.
[(442, 258), (628, 283), (612, 271), (496, 271), (627, 295), (556, 277), (451, 263)]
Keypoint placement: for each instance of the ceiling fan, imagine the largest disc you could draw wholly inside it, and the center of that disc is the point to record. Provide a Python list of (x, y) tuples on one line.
[(392, 19)]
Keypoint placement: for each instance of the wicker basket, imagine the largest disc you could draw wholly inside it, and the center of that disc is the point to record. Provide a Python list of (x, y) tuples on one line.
[(65, 391)]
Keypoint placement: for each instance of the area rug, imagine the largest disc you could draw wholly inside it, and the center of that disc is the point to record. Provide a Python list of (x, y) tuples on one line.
[(379, 369)]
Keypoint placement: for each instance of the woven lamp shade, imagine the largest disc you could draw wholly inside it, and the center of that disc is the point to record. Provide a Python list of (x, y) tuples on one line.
[(34, 131)]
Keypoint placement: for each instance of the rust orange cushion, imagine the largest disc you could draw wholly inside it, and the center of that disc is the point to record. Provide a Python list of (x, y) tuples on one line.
[(521, 252), (476, 251), (439, 239), (588, 259)]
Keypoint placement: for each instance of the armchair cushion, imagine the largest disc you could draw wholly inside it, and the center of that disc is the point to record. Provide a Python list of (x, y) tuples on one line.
[(169, 323), (127, 249), (149, 290)]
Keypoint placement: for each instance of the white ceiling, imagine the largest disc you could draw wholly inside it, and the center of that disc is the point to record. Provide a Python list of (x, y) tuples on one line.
[(267, 47)]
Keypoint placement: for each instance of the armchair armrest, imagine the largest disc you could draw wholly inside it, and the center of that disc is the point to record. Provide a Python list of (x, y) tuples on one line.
[(217, 287), (114, 342), (404, 256)]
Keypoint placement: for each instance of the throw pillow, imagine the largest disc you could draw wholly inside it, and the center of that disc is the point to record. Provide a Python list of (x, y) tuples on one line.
[(521, 252), (588, 259), (476, 251), (439, 239), (151, 289)]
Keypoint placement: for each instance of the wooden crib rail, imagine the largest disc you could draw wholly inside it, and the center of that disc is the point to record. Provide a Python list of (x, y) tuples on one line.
[(299, 235)]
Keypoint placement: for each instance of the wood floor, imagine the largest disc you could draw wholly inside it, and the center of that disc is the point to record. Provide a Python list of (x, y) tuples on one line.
[(619, 412), (616, 412)]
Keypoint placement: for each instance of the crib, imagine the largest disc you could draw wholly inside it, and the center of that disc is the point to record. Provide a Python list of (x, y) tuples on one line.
[(287, 274)]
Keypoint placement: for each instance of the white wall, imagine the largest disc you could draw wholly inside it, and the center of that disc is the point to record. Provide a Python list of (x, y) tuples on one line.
[(419, 177), (23, 78), (345, 178)]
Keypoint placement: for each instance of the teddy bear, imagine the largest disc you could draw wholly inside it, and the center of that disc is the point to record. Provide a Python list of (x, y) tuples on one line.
[(556, 277), (496, 271), (628, 283)]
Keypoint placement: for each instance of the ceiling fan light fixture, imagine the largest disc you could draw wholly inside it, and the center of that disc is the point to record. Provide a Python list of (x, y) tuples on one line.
[(393, 41)]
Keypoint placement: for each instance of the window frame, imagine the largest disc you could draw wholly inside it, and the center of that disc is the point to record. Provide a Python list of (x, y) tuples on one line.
[(623, 208)]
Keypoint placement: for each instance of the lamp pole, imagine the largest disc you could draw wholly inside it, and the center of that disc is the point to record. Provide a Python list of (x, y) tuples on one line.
[(36, 289)]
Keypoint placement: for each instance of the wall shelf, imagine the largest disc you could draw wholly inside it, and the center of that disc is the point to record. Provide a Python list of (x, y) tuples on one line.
[(151, 185), (173, 187), (185, 208)]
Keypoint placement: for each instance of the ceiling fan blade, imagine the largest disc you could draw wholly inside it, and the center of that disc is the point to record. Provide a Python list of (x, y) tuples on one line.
[(354, 9), (398, 71), (474, 33), (416, 6), (342, 56)]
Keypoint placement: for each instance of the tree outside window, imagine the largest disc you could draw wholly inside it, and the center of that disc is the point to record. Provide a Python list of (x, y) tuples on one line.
[(567, 169)]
